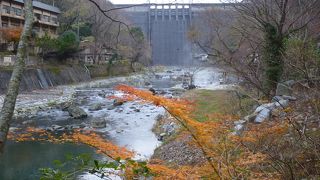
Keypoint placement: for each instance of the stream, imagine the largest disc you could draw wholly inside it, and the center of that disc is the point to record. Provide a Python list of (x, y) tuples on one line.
[(128, 125)]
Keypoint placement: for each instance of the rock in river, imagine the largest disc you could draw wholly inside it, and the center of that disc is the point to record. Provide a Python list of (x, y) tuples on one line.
[(77, 112), (96, 107), (99, 123), (117, 102)]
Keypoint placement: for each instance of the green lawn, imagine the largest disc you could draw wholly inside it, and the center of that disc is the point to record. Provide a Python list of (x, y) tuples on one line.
[(224, 102)]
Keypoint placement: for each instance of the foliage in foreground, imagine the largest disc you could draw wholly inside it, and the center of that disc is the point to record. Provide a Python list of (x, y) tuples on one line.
[(74, 166)]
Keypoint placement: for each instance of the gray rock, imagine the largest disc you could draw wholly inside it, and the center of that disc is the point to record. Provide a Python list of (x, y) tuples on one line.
[(284, 88), (77, 112), (282, 103), (238, 129), (239, 126), (277, 98), (50, 129), (57, 128), (264, 111), (82, 125), (65, 105), (99, 123), (239, 122), (12, 129), (153, 91), (269, 106), (162, 136), (119, 130), (284, 97), (290, 98), (111, 107), (263, 115), (96, 107), (102, 94)]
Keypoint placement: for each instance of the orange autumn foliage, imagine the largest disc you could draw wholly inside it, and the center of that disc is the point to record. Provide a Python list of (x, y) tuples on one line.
[(11, 34)]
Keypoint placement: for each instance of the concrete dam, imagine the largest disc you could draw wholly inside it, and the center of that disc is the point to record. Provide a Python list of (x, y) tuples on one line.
[(166, 27)]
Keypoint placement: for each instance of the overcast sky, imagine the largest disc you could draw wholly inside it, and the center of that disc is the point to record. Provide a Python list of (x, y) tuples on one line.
[(162, 1)]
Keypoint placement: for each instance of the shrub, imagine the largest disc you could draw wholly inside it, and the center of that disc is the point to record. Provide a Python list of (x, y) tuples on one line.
[(46, 43), (68, 43)]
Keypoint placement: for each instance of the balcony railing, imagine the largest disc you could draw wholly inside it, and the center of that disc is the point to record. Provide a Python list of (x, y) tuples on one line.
[(16, 14)]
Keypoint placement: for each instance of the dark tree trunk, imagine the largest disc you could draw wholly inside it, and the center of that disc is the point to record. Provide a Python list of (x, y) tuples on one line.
[(14, 84), (273, 58)]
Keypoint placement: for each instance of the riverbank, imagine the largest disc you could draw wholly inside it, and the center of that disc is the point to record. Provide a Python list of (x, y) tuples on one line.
[(178, 147), (51, 75)]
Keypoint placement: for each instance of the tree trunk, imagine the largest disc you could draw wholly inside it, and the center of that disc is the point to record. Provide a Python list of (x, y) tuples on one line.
[(273, 52), (14, 84)]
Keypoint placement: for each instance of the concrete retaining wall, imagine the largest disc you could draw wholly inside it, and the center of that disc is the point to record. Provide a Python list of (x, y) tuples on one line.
[(44, 78)]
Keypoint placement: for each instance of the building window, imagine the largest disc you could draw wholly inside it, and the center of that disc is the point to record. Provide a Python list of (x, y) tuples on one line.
[(37, 16), (54, 20), (17, 11), (5, 24), (45, 18), (6, 9)]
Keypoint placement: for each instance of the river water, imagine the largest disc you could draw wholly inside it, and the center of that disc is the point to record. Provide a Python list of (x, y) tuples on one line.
[(128, 125)]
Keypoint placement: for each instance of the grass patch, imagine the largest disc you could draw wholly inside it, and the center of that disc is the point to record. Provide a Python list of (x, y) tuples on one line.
[(224, 102)]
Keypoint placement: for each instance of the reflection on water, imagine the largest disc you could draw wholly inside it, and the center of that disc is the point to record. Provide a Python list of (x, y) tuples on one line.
[(22, 160)]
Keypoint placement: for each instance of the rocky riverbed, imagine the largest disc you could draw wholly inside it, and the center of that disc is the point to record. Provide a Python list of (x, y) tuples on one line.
[(88, 107)]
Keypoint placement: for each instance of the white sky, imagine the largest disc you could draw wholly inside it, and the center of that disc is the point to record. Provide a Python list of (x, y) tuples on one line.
[(162, 1)]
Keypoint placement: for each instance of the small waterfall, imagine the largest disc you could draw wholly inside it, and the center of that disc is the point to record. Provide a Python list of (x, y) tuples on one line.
[(42, 80)]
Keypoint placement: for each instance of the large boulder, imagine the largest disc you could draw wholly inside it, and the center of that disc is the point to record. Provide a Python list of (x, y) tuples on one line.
[(65, 106), (263, 115), (96, 107), (99, 123), (76, 112), (264, 111)]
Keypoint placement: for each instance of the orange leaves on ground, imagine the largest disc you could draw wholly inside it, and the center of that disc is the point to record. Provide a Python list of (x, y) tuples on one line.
[(89, 138), (266, 132), (11, 34), (252, 159)]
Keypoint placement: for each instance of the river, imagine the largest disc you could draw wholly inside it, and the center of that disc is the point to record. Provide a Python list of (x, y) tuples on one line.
[(127, 125)]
